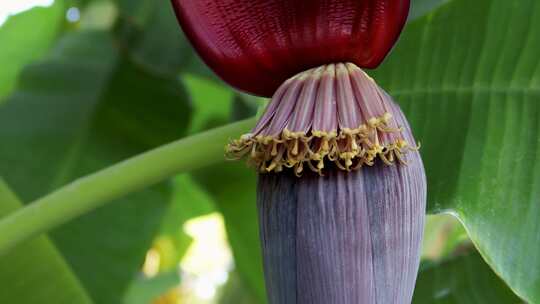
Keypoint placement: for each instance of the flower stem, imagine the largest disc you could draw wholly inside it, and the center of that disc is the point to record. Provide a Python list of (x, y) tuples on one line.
[(90, 192)]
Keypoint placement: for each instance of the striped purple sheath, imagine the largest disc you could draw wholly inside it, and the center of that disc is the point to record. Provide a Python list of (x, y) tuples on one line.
[(341, 192)]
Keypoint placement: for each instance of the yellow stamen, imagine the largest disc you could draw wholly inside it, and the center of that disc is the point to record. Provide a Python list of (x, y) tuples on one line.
[(349, 149)]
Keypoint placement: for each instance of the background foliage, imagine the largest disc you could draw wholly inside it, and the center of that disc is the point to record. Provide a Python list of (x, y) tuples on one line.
[(80, 96)]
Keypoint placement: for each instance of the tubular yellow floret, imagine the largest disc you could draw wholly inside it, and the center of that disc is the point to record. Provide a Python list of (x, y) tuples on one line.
[(334, 114), (349, 149)]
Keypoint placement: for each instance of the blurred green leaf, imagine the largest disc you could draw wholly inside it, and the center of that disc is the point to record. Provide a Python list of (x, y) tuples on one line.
[(189, 201), (442, 234), (146, 290), (87, 107), (97, 15), (138, 12), (464, 279), (233, 186), (21, 43), (420, 8), (245, 106), (149, 31), (35, 270), (212, 103), (235, 292), (468, 78)]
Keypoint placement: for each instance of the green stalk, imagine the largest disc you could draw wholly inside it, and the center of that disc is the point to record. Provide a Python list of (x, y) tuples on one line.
[(90, 192)]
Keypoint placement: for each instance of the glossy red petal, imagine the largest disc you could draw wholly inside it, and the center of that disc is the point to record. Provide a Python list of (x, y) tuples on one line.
[(255, 45)]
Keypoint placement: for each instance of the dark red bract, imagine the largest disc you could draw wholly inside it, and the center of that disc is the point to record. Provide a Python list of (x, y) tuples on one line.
[(255, 45)]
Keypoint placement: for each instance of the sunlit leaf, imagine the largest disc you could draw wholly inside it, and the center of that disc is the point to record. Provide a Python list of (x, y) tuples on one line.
[(21, 43)]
